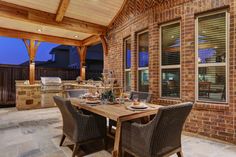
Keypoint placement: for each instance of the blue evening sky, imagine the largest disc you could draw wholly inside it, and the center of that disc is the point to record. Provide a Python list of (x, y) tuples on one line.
[(13, 51)]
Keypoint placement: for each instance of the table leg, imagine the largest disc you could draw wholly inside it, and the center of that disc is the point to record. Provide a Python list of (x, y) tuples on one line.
[(116, 151)]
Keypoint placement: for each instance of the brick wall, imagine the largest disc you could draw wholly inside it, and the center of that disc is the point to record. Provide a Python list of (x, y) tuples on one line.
[(212, 120)]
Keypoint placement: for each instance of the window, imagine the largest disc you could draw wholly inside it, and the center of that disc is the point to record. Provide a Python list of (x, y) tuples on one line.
[(143, 60), (211, 58), (127, 65), (170, 60)]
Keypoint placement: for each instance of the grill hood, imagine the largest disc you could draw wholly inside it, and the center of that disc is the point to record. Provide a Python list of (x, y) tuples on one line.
[(51, 81)]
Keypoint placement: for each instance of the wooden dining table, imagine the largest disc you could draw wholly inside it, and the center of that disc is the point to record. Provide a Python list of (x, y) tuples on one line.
[(118, 113)]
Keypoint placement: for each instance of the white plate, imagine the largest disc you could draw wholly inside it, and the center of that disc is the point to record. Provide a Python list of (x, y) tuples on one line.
[(140, 106), (93, 102)]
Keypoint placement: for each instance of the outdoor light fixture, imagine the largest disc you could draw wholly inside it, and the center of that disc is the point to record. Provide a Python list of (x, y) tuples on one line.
[(83, 72), (199, 60)]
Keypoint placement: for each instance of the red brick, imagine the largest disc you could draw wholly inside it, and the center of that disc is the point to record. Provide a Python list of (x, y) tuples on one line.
[(208, 119)]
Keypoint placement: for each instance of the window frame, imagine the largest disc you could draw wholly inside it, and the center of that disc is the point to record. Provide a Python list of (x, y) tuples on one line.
[(141, 68), (225, 64), (124, 65), (177, 66)]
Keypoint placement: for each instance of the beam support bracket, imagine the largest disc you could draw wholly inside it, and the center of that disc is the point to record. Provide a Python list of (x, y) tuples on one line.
[(32, 47), (82, 51)]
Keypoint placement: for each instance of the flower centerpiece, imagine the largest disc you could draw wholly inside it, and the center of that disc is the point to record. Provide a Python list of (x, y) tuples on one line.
[(109, 96), (108, 83)]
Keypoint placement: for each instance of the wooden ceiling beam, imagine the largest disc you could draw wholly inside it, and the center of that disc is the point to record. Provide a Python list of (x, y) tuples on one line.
[(62, 10), (104, 44), (39, 37), (25, 14), (32, 47), (82, 51), (92, 40)]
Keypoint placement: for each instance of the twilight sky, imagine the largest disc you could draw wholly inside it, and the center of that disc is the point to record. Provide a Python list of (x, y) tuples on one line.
[(13, 51)]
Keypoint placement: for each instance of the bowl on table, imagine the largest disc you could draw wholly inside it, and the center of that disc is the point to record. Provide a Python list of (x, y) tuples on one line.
[(92, 100)]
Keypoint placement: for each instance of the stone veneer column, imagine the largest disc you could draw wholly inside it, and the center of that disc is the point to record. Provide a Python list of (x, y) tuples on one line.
[(28, 97)]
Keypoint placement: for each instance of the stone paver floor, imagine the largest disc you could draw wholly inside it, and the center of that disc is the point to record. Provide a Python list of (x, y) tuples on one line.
[(36, 133)]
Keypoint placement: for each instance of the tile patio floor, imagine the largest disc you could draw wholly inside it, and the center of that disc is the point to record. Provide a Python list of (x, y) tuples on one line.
[(36, 133)]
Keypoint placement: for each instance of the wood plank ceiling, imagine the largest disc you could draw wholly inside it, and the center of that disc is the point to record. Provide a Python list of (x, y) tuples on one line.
[(79, 20)]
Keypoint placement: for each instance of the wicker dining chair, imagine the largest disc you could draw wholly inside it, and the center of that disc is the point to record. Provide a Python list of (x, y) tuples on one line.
[(76, 93), (141, 96), (161, 137), (79, 127)]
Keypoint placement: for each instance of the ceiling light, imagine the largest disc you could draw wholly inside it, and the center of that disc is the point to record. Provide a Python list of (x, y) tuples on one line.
[(172, 37), (203, 31), (76, 36), (199, 60), (39, 30)]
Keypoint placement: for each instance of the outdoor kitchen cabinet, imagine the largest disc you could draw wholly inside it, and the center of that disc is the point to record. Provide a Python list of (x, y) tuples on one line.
[(28, 96), (33, 97), (40, 96)]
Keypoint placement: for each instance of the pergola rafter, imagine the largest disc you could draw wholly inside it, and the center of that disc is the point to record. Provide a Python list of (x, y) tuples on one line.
[(20, 13), (62, 10), (39, 37)]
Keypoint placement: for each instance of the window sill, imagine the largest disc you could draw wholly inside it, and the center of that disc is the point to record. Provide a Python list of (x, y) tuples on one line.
[(211, 106), (198, 105), (170, 98), (168, 101)]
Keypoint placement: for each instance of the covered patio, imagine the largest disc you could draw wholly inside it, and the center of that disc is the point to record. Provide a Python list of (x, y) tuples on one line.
[(167, 87), (39, 136)]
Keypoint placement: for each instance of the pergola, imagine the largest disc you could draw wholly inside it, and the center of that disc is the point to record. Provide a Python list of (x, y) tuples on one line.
[(77, 23)]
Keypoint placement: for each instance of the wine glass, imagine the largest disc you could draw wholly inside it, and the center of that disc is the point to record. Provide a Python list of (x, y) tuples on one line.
[(135, 98), (121, 99)]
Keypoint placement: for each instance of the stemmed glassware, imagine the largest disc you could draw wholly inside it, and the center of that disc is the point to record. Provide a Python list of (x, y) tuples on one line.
[(121, 98), (135, 98)]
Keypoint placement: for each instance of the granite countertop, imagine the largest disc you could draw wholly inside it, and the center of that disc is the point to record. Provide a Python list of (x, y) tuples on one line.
[(87, 85), (64, 83), (28, 85)]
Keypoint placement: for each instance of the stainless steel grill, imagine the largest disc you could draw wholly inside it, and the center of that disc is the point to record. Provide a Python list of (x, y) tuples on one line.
[(51, 84), (50, 87)]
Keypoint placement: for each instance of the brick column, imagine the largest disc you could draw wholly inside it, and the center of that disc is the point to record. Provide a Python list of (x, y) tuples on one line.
[(188, 56), (154, 60), (134, 62)]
